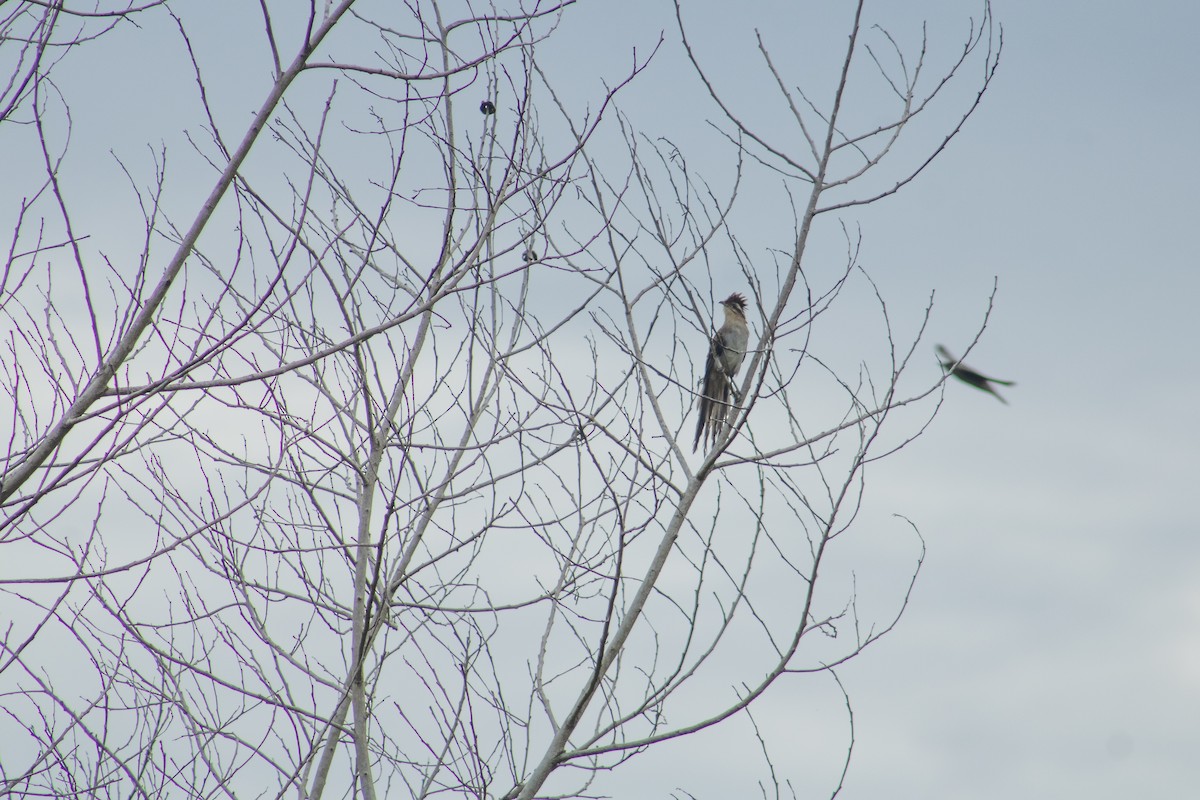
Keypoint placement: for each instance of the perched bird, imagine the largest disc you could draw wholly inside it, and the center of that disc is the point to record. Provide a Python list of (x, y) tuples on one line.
[(487, 107), (969, 376), (725, 354)]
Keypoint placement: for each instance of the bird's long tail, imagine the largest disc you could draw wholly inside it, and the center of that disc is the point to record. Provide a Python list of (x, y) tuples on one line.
[(714, 404)]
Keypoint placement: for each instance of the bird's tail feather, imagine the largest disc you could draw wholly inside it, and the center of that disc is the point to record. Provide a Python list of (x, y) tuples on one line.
[(714, 406)]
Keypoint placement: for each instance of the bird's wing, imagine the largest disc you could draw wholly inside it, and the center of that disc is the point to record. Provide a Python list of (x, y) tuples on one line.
[(973, 376), (988, 388), (964, 372), (731, 343), (712, 394), (981, 382)]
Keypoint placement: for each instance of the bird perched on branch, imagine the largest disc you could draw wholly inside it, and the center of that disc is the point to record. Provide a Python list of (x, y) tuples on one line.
[(969, 376), (725, 355)]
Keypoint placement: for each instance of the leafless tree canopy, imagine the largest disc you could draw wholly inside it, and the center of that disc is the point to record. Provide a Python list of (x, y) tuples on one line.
[(344, 434)]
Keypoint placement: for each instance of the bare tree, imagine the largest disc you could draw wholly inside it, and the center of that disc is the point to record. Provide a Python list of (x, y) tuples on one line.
[(365, 471)]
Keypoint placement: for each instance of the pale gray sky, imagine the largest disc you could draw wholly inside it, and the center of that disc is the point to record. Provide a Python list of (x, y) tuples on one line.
[(1052, 648), (1052, 645)]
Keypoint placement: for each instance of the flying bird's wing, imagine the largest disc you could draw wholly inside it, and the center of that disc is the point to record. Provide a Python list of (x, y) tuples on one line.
[(970, 376)]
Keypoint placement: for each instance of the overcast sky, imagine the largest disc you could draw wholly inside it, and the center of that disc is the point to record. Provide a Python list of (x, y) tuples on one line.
[(1052, 648), (1052, 645)]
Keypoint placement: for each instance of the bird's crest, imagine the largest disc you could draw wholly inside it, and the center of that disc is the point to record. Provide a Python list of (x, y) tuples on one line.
[(737, 301)]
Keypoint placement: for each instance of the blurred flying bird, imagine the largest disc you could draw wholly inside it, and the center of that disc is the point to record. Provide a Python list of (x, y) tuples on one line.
[(969, 376), (486, 107), (725, 354)]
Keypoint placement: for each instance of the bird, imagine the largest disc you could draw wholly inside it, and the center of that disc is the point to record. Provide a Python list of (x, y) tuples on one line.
[(969, 376), (725, 354), (487, 107)]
